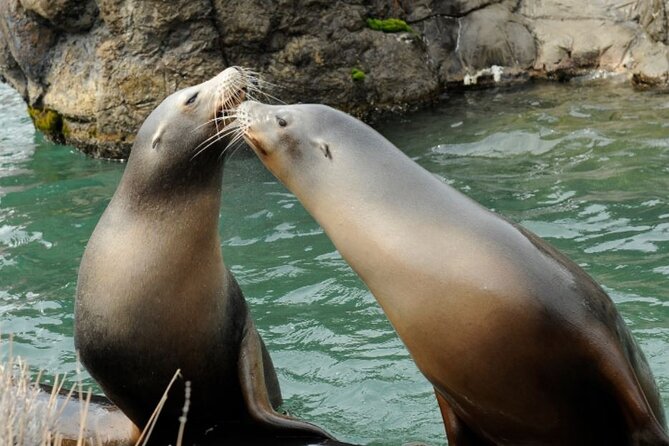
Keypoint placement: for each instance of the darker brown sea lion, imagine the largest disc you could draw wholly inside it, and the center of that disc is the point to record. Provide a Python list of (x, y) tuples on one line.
[(520, 344), (154, 295)]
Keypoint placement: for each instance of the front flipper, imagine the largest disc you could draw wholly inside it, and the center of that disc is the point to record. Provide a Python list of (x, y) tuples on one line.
[(255, 394), (458, 433)]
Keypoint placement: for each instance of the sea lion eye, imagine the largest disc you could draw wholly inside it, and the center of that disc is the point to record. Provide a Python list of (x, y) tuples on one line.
[(282, 122), (192, 98)]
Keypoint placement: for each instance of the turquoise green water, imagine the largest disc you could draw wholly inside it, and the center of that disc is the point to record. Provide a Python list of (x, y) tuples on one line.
[(585, 168)]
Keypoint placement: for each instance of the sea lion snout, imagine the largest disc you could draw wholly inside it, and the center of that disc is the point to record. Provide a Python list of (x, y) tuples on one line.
[(252, 124), (259, 121)]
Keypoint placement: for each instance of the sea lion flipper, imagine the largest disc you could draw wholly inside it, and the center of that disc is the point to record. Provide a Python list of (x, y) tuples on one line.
[(458, 433), (255, 393)]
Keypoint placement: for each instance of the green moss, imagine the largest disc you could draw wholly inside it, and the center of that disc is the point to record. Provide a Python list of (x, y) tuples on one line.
[(48, 121), (357, 74), (66, 129), (389, 25)]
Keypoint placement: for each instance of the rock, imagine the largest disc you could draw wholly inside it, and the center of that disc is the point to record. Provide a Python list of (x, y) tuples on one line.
[(441, 35), (652, 16), (421, 9), (495, 36), (10, 69), (573, 48), (92, 70), (30, 43), (650, 65), (65, 15)]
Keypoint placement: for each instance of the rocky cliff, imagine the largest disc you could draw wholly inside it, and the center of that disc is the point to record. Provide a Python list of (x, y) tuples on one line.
[(91, 70)]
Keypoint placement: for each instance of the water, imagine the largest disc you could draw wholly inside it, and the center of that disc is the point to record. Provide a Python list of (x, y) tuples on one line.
[(585, 168)]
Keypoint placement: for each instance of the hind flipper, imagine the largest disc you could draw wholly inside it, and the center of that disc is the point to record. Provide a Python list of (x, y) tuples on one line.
[(254, 390)]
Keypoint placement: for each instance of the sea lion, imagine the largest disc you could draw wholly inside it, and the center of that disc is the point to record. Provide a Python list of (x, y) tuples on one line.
[(153, 294), (520, 344)]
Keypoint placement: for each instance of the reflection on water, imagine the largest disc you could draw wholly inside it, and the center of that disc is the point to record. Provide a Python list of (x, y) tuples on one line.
[(585, 168)]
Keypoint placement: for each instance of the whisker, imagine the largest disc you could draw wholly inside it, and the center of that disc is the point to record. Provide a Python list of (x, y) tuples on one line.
[(238, 136), (234, 144), (254, 89), (205, 123), (212, 139), (203, 149), (216, 104), (260, 81), (267, 96), (239, 145), (225, 131)]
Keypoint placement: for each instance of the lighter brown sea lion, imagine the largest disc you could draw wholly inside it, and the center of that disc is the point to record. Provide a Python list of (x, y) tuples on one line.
[(520, 344), (154, 295)]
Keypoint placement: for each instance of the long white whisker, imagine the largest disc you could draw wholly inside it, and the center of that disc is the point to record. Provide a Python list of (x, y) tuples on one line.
[(215, 109), (234, 149), (262, 82), (239, 146), (221, 133), (238, 136), (208, 143), (268, 96), (254, 89), (213, 138), (205, 123), (204, 148)]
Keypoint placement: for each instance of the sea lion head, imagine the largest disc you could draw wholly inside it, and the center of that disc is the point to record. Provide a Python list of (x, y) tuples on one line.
[(311, 148), (183, 138), (290, 137)]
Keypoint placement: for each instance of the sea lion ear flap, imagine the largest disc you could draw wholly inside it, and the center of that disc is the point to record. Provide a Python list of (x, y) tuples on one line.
[(155, 143), (325, 149)]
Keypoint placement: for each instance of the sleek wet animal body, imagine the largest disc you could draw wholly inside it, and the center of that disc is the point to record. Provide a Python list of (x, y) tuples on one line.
[(520, 344), (154, 294)]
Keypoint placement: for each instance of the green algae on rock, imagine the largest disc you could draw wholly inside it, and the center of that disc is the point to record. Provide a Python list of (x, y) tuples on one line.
[(357, 74), (389, 25), (49, 122)]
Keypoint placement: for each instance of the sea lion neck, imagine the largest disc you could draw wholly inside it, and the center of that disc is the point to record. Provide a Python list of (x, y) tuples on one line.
[(153, 192)]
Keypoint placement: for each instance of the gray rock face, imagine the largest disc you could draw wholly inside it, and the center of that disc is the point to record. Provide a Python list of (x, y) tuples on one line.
[(92, 70)]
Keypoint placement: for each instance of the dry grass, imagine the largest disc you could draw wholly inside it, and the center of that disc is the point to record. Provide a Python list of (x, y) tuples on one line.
[(146, 433), (29, 416), (26, 417)]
